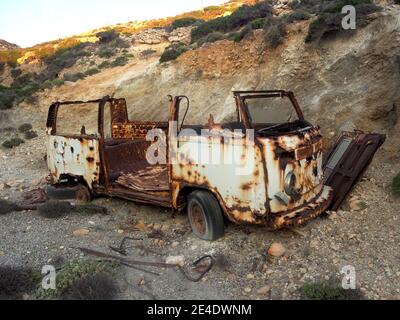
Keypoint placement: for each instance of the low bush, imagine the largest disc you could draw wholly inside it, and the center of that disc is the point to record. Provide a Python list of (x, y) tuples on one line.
[(15, 73), (25, 127), (148, 52), (30, 135), (329, 291), (119, 62), (82, 280), (397, 1), (106, 53), (15, 282), (7, 98), (396, 185), (257, 23), (239, 36), (107, 36), (237, 19), (73, 77), (104, 65), (14, 142), (215, 36), (274, 32), (297, 16), (173, 52), (185, 22), (55, 209), (92, 72)]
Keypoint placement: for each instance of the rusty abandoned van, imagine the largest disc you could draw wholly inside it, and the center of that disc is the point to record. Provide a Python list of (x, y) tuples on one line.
[(264, 167)]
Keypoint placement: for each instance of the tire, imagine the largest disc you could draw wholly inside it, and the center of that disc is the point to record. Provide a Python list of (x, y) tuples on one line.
[(205, 216)]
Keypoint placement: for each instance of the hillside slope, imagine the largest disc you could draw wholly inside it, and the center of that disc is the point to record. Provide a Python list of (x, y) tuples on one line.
[(4, 45)]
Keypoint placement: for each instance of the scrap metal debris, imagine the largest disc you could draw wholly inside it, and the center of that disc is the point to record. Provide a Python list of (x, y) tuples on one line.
[(37, 196), (122, 249), (135, 263), (347, 160)]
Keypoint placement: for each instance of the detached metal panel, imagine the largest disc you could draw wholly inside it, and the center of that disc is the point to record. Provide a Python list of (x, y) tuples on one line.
[(347, 161)]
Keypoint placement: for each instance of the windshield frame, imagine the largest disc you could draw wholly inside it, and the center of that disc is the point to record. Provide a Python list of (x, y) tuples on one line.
[(245, 116)]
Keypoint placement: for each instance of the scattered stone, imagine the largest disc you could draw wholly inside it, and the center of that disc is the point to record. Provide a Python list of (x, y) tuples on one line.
[(176, 260), (175, 244), (250, 276), (247, 290), (141, 226), (159, 242), (83, 232), (263, 290), (276, 250), (314, 243), (357, 205)]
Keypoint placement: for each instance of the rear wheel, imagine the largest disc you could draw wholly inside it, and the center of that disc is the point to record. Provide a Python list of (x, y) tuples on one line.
[(205, 216)]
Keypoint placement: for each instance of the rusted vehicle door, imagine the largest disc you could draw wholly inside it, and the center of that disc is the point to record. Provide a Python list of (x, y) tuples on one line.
[(72, 156), (347, 160)]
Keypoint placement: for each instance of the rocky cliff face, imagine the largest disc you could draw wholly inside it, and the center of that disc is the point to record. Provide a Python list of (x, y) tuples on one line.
[(4, 45)]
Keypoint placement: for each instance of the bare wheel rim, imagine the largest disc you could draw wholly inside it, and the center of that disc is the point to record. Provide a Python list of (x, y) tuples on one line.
[(198, 218)]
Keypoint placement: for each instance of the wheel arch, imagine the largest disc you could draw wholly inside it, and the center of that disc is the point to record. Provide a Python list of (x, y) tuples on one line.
[(186, 189)]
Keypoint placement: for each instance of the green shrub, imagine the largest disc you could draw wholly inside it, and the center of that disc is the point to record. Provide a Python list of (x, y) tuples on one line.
[(185, 22), (118, 43), (107, 36), (106, 53), (237, 19), (239, 36), (72, 273), (320, 291), (274, 32), (25, 127), (15, 73), (7, 98), (173, 51), (14, 142), (92, 72), (148, 52), (396, 185), (329, 291), (58, 82), (257, 23), (297, 16), (30, 135), (119, 62), (73, 77), (215, 36), (104, 65), (65, 58)]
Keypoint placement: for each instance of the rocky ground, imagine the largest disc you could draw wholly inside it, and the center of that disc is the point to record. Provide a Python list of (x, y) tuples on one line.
[(365, 236)]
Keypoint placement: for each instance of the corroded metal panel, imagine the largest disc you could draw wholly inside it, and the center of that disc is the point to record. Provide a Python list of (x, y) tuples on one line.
[(73, 156), (238, 183)]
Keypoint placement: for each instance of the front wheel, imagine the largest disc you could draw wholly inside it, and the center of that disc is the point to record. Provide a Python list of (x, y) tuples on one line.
[(205, 216)]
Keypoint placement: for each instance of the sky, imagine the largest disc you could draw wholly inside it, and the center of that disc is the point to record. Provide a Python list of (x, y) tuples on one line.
[(29, 22)]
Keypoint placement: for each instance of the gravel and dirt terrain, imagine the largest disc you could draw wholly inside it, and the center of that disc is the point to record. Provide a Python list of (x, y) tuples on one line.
[(365, 237)]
